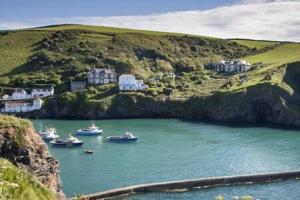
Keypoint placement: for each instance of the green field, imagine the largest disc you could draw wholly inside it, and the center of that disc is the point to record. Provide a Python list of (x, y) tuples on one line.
[(256, 43), (103, 29), (16, 48), (282, 54)]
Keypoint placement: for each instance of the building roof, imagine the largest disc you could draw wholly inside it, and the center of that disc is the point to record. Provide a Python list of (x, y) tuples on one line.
[(101, 70)]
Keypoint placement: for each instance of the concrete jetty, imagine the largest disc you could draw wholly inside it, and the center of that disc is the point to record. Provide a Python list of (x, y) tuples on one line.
[(194, 184)]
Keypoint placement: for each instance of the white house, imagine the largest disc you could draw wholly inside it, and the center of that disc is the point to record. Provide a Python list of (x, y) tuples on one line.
[(231, 66), (20, 94), (42, 92), (127, 82), (22, 106)]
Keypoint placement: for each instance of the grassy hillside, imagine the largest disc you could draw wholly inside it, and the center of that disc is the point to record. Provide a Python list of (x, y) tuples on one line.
[(18, 184), (58, 54), (102, 29), (16, 48), (259, 44)]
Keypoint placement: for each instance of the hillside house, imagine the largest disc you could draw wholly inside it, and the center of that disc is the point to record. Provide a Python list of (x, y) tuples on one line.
[(19, 94), (20, 106), (101, 76), (127, 82), (42, 92), (232, 66), (78, 86)]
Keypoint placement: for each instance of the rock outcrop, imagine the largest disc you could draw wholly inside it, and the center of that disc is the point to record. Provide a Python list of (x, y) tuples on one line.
[(21, 145)]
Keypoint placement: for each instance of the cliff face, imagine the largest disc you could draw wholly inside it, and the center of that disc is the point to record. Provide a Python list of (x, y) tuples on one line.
[(21, 145)]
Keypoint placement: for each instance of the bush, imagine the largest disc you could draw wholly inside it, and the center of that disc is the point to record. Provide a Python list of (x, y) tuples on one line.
[(163, 66), (152, 91), (185, 65), (168, 91)]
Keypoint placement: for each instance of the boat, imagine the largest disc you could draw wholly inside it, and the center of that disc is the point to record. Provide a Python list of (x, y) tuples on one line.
[(49, 134), (128, 137), (88, 151), (90, 131), (70, 141)]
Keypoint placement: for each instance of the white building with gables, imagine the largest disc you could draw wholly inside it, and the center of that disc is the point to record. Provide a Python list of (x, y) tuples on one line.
[(232, 66), (127, 82), (20, 106), (42, 92)]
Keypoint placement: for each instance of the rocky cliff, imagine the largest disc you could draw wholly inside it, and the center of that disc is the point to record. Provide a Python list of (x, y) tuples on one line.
[(21, 145)]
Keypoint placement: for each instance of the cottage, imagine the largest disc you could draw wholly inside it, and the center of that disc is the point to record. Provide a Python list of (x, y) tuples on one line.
[(127, 82), (231, 66), (101, 76), (19, 106), (78, 86), (19, 94), (42, 92)]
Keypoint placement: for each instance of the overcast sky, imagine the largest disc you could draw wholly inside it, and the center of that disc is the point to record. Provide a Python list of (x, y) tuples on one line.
[(256, 19)]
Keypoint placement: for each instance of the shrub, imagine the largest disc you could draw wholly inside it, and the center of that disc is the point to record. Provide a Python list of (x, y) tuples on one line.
[(168, 91), (163, 66)]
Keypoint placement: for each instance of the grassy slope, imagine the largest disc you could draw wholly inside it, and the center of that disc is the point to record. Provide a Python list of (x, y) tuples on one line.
[(16, 48), (115, 44), (256, 43), (103, 29), (18, 184)]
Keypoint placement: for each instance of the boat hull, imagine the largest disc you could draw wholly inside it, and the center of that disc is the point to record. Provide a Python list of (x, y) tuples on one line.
[(121, 139), (66, 144), (84, 133)]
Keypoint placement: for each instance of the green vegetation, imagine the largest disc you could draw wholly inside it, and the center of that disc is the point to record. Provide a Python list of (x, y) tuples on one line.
[(18, 184), (57, 55), (10, 121), (256, 43), (101, 29)]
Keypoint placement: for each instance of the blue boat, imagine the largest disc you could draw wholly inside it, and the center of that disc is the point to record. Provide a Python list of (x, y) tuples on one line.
[(68, 142), (128, 137), (90, 131)]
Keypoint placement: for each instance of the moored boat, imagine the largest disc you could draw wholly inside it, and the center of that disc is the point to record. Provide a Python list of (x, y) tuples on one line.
[(90, 131), (88, 151), (128, 137), (49, 134), (70, 141)]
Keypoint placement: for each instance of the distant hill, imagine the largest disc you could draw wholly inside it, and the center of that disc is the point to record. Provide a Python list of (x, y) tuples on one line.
[(58, 54)]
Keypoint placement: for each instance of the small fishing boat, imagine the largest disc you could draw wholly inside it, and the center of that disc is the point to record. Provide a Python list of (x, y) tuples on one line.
[(88, 151), (128, 137), (49, 134), (90, 131), (70, 141)]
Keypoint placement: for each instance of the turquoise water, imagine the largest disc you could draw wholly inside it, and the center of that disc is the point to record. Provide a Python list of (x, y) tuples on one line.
[(170, 149)]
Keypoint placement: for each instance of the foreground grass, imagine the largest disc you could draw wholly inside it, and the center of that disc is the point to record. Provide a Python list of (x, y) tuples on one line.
[(10, 121), (18, 184)]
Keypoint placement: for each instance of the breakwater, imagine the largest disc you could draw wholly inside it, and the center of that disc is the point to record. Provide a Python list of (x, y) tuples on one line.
[(184, 185)]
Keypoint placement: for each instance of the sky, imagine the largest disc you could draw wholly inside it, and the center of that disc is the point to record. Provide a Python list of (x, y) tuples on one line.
[(255, 19)]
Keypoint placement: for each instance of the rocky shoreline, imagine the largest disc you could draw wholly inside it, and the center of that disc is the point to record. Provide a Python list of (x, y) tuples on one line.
[(25, 149)]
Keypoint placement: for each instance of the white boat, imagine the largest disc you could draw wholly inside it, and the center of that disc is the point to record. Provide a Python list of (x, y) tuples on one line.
[(49, 134), (127, 137), (90, 131), (70, 141)]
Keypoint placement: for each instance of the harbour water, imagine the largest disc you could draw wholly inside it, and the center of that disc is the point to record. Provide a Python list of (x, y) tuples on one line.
[(170, 149)]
